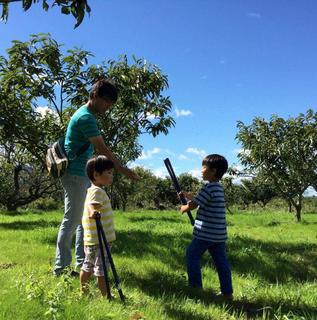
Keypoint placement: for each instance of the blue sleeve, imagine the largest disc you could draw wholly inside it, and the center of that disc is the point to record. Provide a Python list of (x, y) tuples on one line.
[(88, 126), (203, 197)]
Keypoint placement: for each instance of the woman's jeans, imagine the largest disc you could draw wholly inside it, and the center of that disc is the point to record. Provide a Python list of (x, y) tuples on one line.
[(75, 189), (218, 253)]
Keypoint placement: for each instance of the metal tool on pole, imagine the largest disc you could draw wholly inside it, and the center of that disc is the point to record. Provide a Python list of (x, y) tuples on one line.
[(103, 243), (177, 187)]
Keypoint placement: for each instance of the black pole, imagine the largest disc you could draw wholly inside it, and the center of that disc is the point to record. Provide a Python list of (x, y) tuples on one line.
[(113, 268), (105, 272), (177, 187)]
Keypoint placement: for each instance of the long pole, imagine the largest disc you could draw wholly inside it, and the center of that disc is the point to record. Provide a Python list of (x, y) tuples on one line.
[(177, 187), (105, 272), (113, 268)]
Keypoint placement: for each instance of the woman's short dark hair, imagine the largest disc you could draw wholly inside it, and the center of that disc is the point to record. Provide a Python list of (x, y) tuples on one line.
[(104, 88), (98, 164), (217, 162)]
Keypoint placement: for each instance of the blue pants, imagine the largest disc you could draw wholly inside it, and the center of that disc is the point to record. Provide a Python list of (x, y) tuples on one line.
[(218, 253), (75, 189)]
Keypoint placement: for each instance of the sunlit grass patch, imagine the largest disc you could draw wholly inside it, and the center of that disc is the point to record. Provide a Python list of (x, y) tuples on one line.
[(273, 263)]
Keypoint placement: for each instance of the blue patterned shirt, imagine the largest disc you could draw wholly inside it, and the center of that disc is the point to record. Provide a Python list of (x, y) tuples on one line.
[(210, 222)]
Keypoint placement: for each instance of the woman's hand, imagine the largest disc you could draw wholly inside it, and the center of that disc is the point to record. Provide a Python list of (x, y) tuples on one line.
[(129, 174)]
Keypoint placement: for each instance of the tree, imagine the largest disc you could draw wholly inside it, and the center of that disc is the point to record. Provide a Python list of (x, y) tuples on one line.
[(21, 183), (37, 74), (283, 152), (258, 190), (189, 183), (78, 8), (144, 194), (232, 194)]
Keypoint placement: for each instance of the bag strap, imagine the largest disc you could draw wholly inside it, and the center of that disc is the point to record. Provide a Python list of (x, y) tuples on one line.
[(79, 152), (82, 149)]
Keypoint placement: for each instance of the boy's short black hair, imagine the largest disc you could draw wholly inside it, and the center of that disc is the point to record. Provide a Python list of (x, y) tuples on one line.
[(98, 164), (218, 162), (104, 88)]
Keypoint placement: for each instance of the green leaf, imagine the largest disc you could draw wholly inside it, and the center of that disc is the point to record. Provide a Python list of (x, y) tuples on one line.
[(65, 10), (45, 5)]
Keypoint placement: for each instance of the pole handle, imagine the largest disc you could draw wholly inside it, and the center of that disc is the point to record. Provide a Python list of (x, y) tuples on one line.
[(177, 187)]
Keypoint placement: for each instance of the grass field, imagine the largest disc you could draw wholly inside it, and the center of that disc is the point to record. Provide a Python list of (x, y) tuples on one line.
[(273, 259)]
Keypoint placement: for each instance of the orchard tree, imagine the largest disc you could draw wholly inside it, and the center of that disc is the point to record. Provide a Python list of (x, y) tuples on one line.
[(77, 8), (284, 152), (144, 194), (20, 182), (36, 76), (232, 192), (258, 190), (189, 183)]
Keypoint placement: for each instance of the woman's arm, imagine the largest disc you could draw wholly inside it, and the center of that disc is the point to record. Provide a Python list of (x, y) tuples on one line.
[(101, 148)]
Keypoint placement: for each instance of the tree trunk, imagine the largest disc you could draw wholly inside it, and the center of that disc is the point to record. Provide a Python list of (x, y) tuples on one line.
[(298, 212), (289, 206), (298, 208)]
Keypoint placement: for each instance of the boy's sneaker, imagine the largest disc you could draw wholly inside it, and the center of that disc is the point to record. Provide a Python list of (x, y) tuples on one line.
[(72, 273), (224, 296)]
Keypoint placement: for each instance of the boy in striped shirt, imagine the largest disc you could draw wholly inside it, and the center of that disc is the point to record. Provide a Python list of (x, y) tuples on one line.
[(100, 172), (210, 230)]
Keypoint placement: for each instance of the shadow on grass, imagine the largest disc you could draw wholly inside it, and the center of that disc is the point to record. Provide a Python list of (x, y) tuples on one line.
[(158, 219), (170, 287), (19, 213), (273, 261), (168, 248), (28, 225)]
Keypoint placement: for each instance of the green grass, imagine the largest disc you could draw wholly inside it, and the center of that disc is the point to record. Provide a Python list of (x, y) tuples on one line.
[(273, 258)]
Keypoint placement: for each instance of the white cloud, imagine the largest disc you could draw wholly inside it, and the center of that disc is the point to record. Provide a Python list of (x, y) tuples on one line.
[(254, 15), (150, 116), (148, 154), (199, 152), (44, 111), (239, 180), (310, 192), (169, 152), (182, 112), (182, 157), (160, 172), (246, 152), (195, 173)]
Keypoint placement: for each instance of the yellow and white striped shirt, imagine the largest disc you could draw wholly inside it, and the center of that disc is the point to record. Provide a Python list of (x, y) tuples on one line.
[(98, 196)]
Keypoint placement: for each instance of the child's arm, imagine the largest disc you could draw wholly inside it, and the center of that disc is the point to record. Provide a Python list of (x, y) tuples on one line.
[(191, 205), (187, 195)]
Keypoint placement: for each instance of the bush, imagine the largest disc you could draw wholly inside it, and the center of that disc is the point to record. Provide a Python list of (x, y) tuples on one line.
[(45, 204)]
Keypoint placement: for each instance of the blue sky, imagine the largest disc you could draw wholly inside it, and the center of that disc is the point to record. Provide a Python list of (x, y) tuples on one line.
[(225, 60)]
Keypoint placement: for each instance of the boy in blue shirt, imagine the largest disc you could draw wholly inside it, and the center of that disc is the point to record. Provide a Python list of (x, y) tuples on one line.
[(210, 230)]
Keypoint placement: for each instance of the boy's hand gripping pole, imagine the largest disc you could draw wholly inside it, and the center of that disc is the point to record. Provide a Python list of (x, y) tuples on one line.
[(113, 268), (177, 187)]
